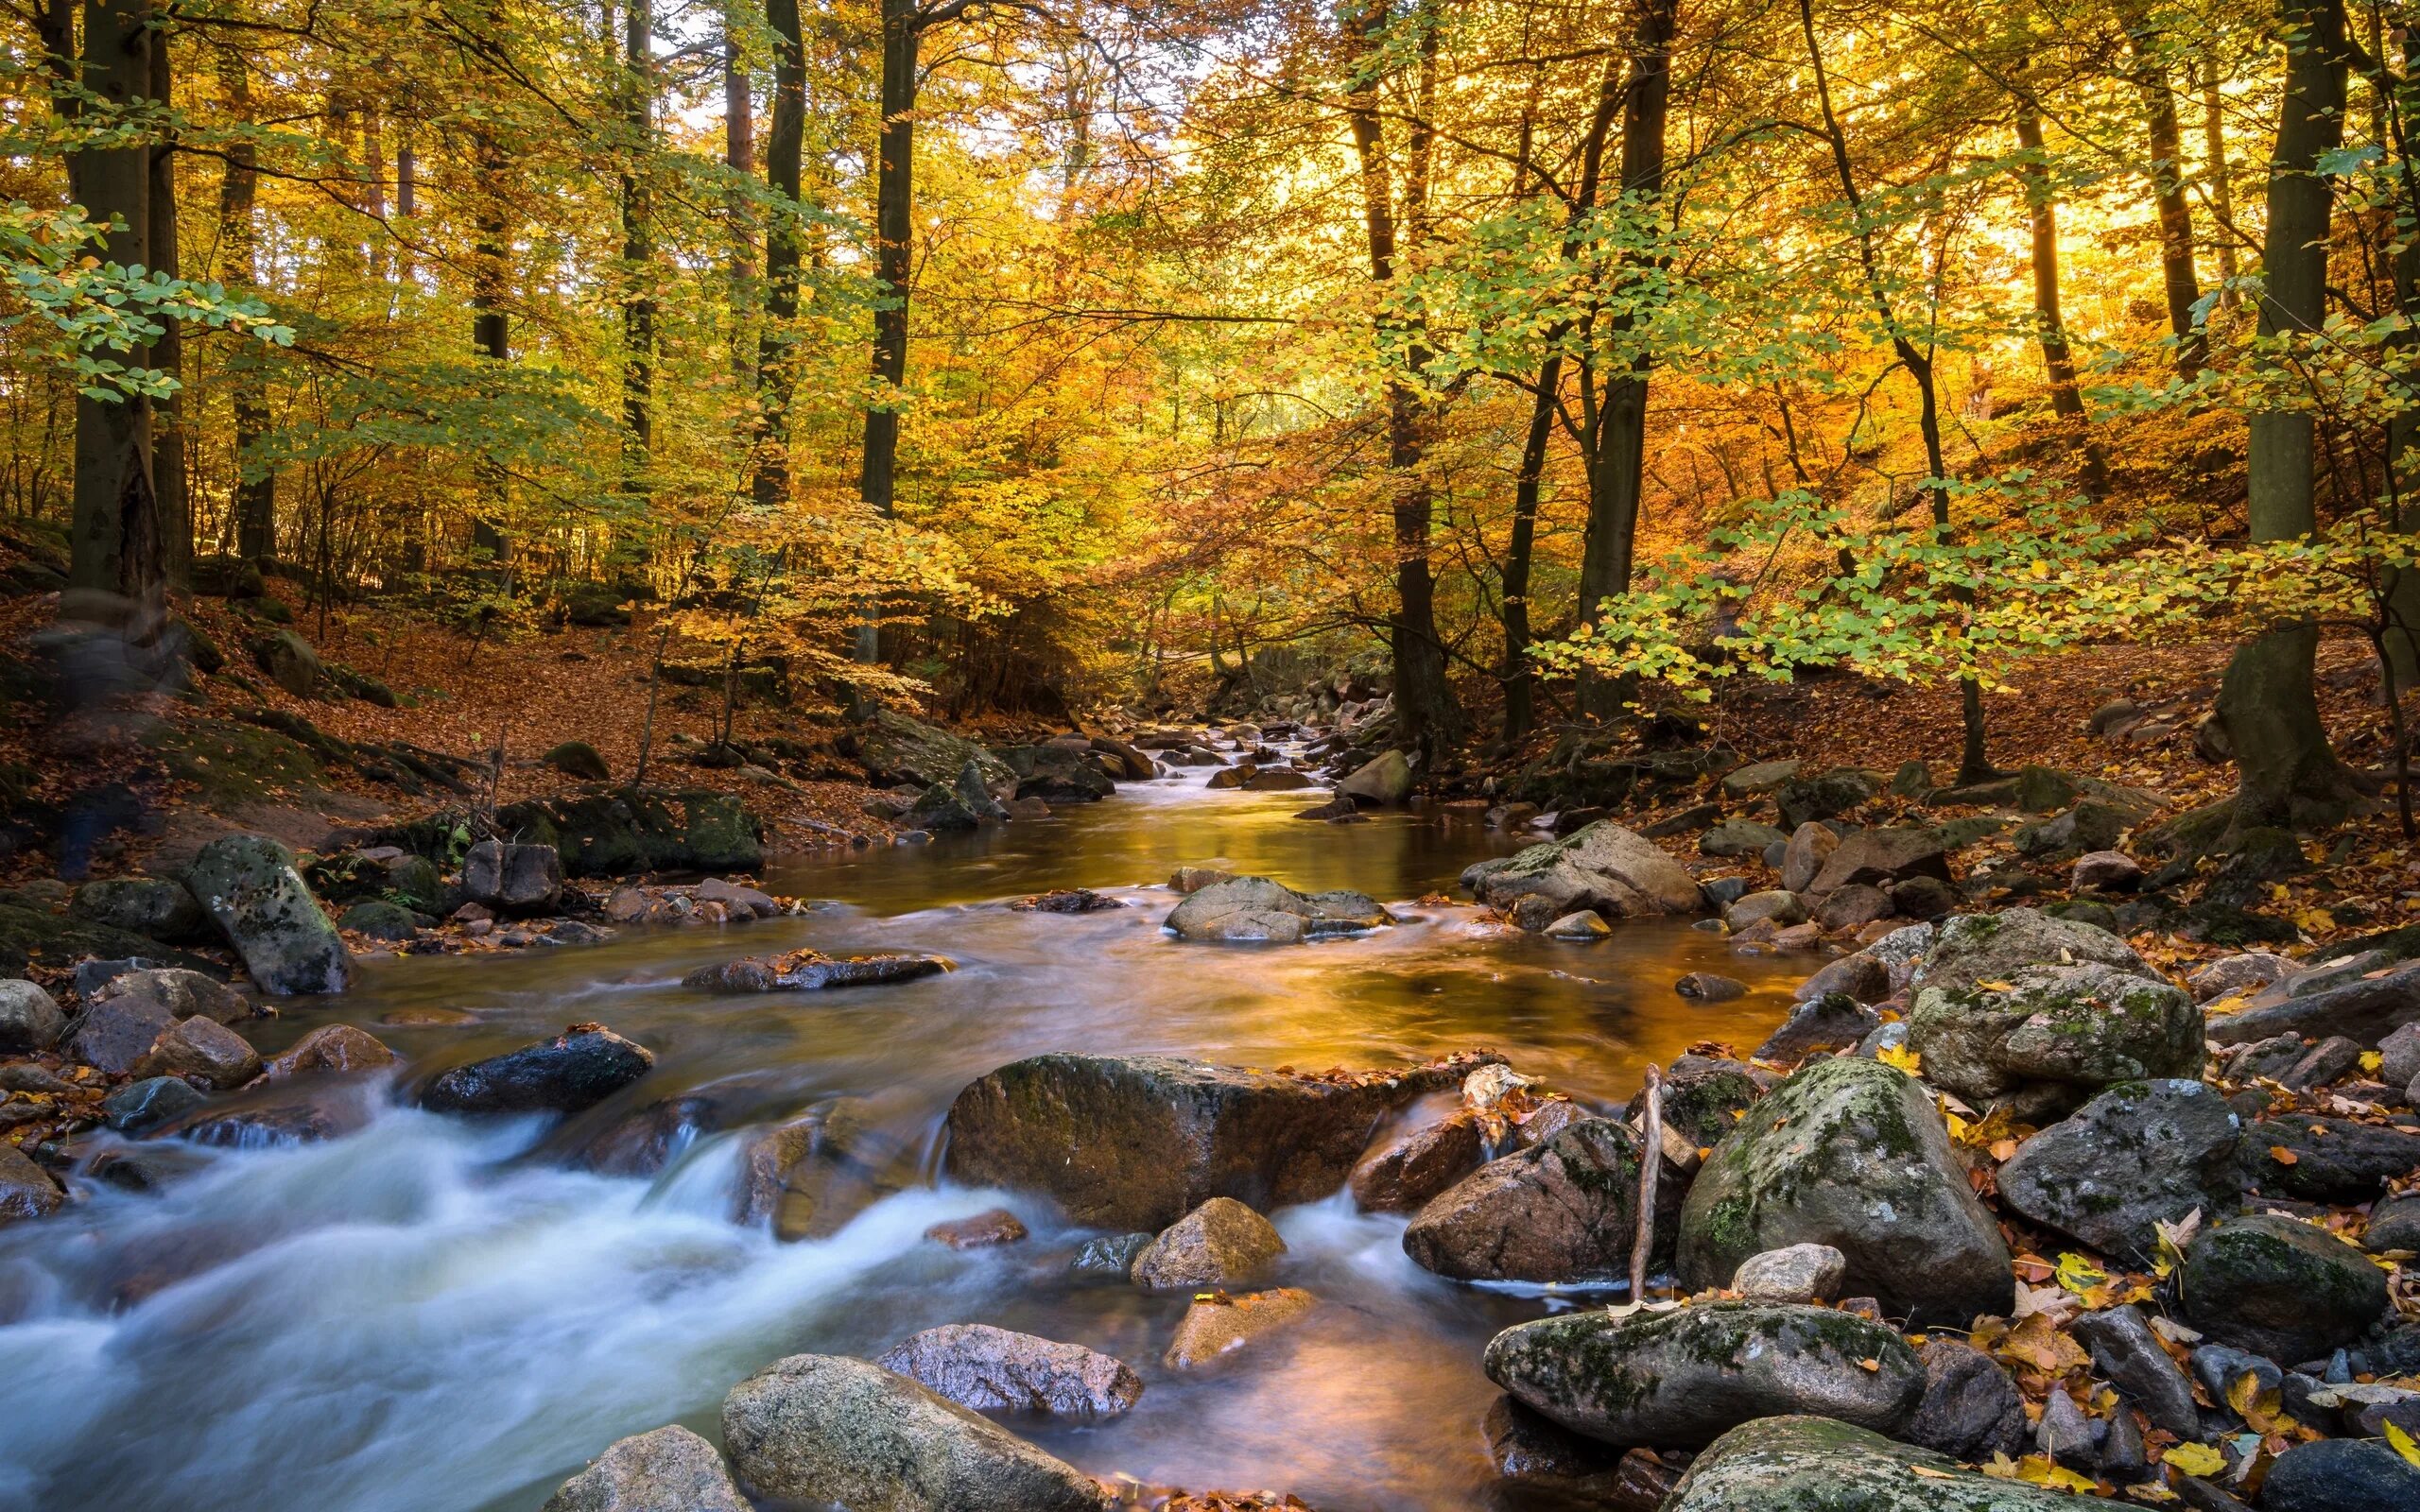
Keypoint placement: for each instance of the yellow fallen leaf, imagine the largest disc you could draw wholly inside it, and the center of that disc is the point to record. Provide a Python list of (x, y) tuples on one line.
[(2282, 1155), (2401, 1442), (1997, 986), (2078, 1274), (1869, 1364), (1927, 1472), (2195, 1459), (2372, 1060), (1902, 1058)]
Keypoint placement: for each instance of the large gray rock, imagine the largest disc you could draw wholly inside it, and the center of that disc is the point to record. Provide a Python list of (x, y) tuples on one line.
[(2280, 1288), (1877, 858), (670, 1469), (988, 1370), (1137, 1142), (1971, 1409), (1563, 1210), (1260, 910), (1681, 1379), (1810, 846), (1222, 1243), (2318, 1004), (2138, 1154), (818, 1430), (1973, 948), (199, 1048), (1850, 1152), (515, 880), (1385, 780), (249, 886), (583, 1065), (30, 1020), (27, 1190), (2043, 1041), (1806, 1464), (895, 750), (123, 1018), (1614, 871), (160, 909)]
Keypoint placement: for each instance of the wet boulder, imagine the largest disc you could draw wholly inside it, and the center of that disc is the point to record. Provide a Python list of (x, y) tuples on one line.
[(2138, 1154), (30, 1019), (1971, 949), (1616, 873), (1383, 781), (27, 1190), (818, 1429), (331, 1050), (1811, 1464), (249, 886), (1879, 858), (126, 1014), (582, 1066), (896, 750), (1682, 1379), (1565, 1209), (645, 1140), (201, 1049), (2043, 1042), (139, 1106), (806, 971), (517, 881), (1222, 1243), (1067, 901), (1401, 1174), (158, 908), (1779, 908), (2280, 1288), (1135, 1141), (1218, 1325), (1833, 1021), (990, 1369), (1850, 1152), (1257, 909), (1053, 772), (670, 1469)]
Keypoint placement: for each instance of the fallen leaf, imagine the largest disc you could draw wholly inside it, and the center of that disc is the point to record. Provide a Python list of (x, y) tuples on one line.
[(2401, 1442), (2195, 1459), (2282, 1155)]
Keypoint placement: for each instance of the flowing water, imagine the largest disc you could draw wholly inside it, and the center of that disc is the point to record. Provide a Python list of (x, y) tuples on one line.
[(435, 1316)]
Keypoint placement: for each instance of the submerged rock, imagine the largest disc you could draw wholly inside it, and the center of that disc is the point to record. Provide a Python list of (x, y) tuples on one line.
[(1808, 1464), (989, 1369), (670, 1469), (1850, 1152), (1140, 1141), (1067, 901), (1218, 1325), (249, 887), (1616, 872), (818, 1429), (1681, 1378), (1258, 909), (1563, 1210), (806, 971), (582, 1066)]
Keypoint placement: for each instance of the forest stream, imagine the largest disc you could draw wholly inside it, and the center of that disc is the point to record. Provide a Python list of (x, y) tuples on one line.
[(435, 1314)]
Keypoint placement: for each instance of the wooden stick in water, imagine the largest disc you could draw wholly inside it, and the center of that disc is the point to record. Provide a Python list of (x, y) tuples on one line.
[(1651, 1161)]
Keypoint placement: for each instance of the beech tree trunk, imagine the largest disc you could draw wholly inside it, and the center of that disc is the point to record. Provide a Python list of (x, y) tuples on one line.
[(2048, 327), (638, 251), (2167, 168), (783, 171), (739, 156), (168, 352), (490, 324), (255, 491)]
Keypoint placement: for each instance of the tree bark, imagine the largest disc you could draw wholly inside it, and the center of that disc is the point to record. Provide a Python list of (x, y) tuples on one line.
[(2048, 327), (894, 210), (2214, 147), (783, 170), (2167, 168), (1618, 466), (491, 324), (739, 156), (2399, 592), (1520, 675), (169, 349), (638, 250), (2284, 766), (255, 496), (116, 536)]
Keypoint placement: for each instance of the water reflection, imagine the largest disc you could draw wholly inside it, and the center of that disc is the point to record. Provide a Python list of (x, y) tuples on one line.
[(432, 1314)]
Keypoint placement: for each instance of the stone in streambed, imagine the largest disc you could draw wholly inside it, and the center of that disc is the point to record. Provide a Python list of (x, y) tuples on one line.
[(1801, 1273), (1616, 872), (122, 1020), (202, 1049), (818, 1429), (2042, 1042), (670, 1469), (806, 971), (1833, 1021), (1583, 925), (1971, 1410), (1710, 987), (1222, 1243), (1808, 1464), (1850, 1152), (1218, 1325), (1862, 977), (983, 1230), (27, 1190), (1404, 1172), (2138, 1154), (30, 1020), (582, 1066), (1384, 781), (2341, 1475), (1682, 1378), (1562, 1211), (2280, 1288), (249, 886), (331, 1050), (1881, 858), (1258, 910), (990, 1369), (1133, 1142), (139, 1106), (1111, 1257)]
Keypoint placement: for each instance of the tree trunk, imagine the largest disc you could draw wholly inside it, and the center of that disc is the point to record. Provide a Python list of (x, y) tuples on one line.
[(2167, 168), (490, 324), (894, 209), (1520, 675), (783, 170), (115, 534), (638, 251), (2400, 590), (2214, 147), (2047, 326), (1427, 718), (2266, 699), (168, 352), (1617, 463), (739, 156), (255, 496)]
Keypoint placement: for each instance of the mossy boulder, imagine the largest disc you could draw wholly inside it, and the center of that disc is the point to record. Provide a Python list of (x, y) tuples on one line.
[(1682, 1379), (1850, 1152), (1565, 1210), (2138, 1154), (1256, 909), (249, 886), (614, 833), (380, 920), (2043, 1042), (2280, 1288), (1970, 949), (290, 663), (895, 750), (1809, 1464), (36, 937), (160, 909), (1601, 866)]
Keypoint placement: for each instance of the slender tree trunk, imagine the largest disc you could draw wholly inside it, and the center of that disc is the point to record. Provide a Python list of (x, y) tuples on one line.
[(1520, 675), (2065, 401), (168, 350), (1427, 716), (2167, 167), (1617, 463), (491, 324), (1973, 764), (255, 493), (894, 210), (2214, 147), (2266, 699), (638, 251), (783, 171), (739, 156), (2400, 590), (116, 535)]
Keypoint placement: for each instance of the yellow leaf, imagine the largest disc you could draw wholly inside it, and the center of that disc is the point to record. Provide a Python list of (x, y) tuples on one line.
[(2372, 1060), (1903, 1057), (1997, 986), (2195, 1459), (1930, 1474), (2282, 1155), (2079, 1275), (2401, 1442)]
